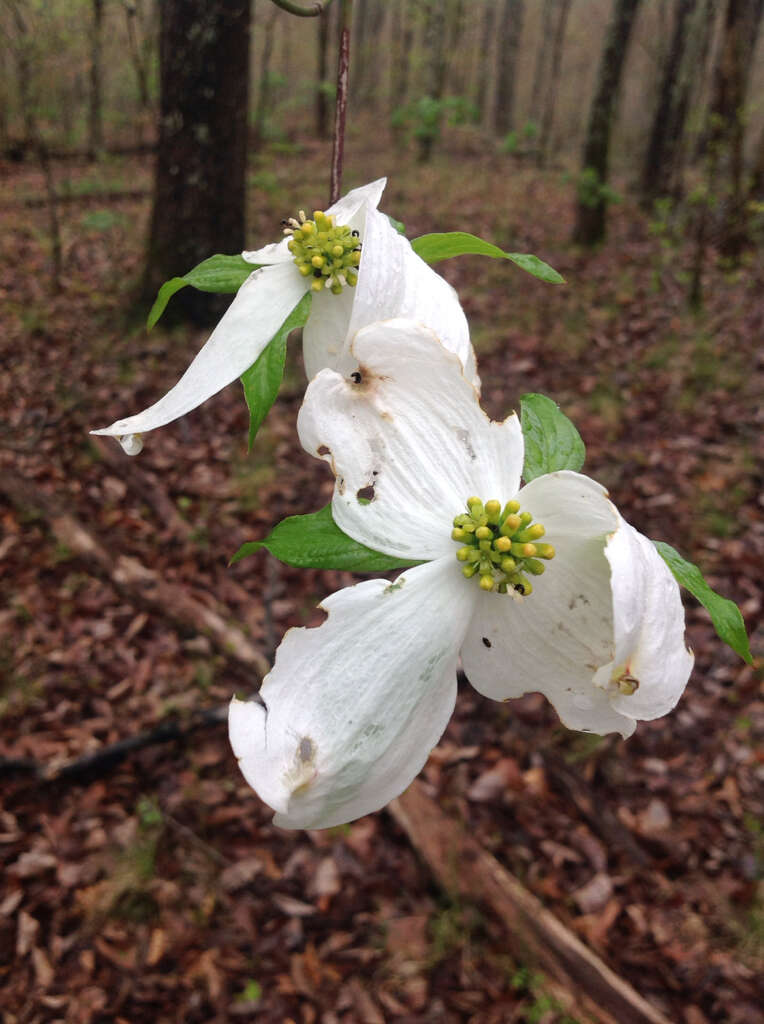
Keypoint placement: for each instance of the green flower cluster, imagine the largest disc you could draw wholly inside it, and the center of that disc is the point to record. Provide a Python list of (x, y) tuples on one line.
[(499, 545)]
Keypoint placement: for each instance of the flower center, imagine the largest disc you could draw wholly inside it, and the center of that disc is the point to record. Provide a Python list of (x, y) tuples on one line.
[(328, 253), (500, 545)]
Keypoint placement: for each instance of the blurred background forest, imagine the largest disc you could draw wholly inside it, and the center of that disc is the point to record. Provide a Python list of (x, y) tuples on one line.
[(622, 141)]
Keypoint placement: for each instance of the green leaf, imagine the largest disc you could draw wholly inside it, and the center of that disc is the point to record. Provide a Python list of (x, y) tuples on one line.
[(432, 248), (551, 440), (725, 614), (262, 380), (315, 541), (399, 226), (221, 274)]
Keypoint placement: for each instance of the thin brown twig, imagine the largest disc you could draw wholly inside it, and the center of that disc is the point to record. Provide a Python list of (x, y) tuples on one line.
[(343, 65)]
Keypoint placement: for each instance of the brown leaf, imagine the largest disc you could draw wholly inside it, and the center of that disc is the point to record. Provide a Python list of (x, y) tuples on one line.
[(32, 863), (28, 927), (241, 873), (42, 968), (292, 907), (593, 896), (493, 783)]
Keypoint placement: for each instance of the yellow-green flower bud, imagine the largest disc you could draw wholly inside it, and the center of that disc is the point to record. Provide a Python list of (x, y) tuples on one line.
[(493, 510), (533, 566), (545, 551), (510, 525)]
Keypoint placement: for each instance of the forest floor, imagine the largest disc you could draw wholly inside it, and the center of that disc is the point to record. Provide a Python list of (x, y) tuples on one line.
[(158, 890)]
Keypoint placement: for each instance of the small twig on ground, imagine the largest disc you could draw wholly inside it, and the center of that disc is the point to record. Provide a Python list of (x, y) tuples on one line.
[(142, 585), (109, 758)]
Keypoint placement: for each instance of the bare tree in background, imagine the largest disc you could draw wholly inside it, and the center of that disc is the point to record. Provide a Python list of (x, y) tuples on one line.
[(655, 168), (726, 122), (510, 29), (486, 40), (323, 81), (544, 146), (262, 100), (402, 43), (199, 192), (140, 19), (700, 32), (95, 107), (455, 14), (543, 55), (592, 193), (435, 72)]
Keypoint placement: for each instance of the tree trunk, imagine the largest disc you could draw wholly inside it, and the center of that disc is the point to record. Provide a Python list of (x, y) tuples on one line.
[(369, 95), (486, 40), (700, 32), (726, 122), (454, 35), (437, 66), (95, 111), (200, 183), (654, 180), (324, 83), (547, 118), (592, 200), (506, 65), (359, 68), (543, 54), (263, 85), (137, 55)]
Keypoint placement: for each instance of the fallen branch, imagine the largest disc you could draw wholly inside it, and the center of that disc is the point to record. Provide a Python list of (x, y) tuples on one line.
[(141, 585), (581, 982), (108, 758), (144, 484)]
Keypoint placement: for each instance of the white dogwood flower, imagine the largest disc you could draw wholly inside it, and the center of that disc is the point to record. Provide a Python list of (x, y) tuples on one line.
[(590, 616), (359, 269)]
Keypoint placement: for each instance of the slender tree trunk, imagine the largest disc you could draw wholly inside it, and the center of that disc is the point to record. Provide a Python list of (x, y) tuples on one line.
[(592, 202), (543, 54), (654, 179), (506, 66), (437, 67), (199, 194), (137, 56), (700, 32), (454, 34), (726, 122), (95, 111), (359, 69), (756, 187), (24, 57), (402, 31), (369, 95), (322, 94), (263, 85), (547, 117), (4, 98), (486, 41)]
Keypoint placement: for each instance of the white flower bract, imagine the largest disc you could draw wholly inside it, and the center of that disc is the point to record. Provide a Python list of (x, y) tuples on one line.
[(352, 708), (392, 281)]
